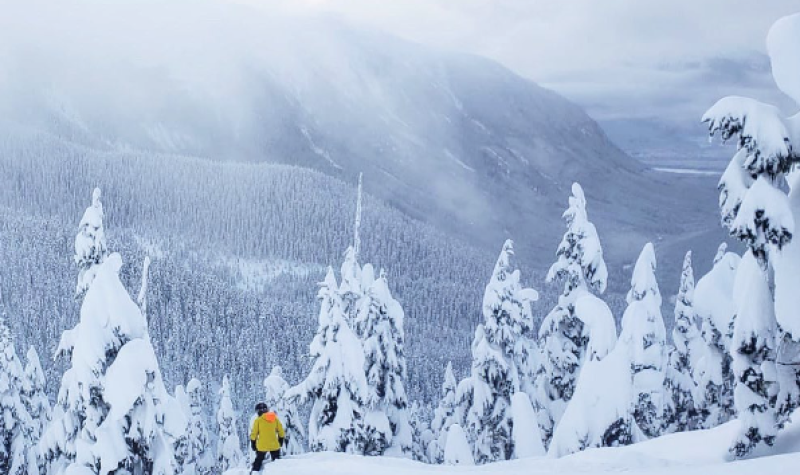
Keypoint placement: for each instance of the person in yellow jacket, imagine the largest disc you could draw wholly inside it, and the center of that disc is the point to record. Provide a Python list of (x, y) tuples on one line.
[(266, 437)]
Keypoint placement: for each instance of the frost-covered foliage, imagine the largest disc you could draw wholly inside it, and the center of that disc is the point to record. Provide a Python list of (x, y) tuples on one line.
[(580, 257), (680, 410), (756, 210), (90, 244), (37, 404), (275, 388), (380, 323), (229, 450), (600, 413), (336, 385), (457, 451), (111, 402), (644, 337), (712, 370), (501, 362), (581, 325), (444, 416), (753, 350), (199, 458), (16, 426)]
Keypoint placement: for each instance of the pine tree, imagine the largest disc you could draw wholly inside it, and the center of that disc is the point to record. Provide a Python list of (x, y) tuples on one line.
[(275, 388), (16, 427), (644, 336), (229, 451), (581, 324), (111, 401), (90, 244), (754, 340), (496, 362), (457, 451), (34, 398), (756, 210), (380, 322), (336, 384), (681, 414), (444, 416), (713, 374), (420, 433), (199, 459)]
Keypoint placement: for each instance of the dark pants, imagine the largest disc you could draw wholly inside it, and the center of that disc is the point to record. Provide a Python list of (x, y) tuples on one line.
[(260, 456)]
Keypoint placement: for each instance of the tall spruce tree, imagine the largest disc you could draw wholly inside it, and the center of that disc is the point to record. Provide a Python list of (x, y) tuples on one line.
[(34, 397), (755, 209), (380, 322), (581, 324), (644, 336), (336, 384), (90, 244), (16, 426), (681, 413)]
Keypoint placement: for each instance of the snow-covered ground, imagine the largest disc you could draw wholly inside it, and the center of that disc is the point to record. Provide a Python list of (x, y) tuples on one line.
[(700, 452)]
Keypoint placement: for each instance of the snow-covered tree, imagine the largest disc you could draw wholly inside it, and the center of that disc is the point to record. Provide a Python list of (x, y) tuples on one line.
[(499, 353), (600, 414), (275, 388), (713, 303), (756, 210), (457, 451), (199, 458), (90, 244), (421, 434), (34, 397), (16, 427), (111, 403), (444, 416), (336, 384), (581, 325), (380, 322), (754, 340), (680, 412), (644, 336), (229, 450)]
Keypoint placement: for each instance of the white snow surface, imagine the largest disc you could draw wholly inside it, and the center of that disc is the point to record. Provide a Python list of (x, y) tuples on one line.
[(688, 453)]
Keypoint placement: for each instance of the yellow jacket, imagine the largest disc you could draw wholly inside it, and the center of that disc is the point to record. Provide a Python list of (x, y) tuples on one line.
[(267, 429)]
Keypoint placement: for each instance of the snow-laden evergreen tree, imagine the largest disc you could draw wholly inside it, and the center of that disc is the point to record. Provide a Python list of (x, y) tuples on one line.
[(421, 434), (755, 208), (380, 322), (199, 457), (34, 397), (754, 340), (581, 325), (229, 450), (457, 451), (111, 403), (499, 357), (644, 336), (713, 303), (351, 289), (444, 416), (90, 244), (336, 384), (16, 427), (680, 412), (525, 428), (275, 388)]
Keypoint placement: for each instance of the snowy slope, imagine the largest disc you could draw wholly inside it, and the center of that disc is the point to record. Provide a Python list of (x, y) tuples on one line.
[(692, 453)]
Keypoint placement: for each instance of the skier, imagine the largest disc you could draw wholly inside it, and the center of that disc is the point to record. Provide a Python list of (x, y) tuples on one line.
[(267, 436)]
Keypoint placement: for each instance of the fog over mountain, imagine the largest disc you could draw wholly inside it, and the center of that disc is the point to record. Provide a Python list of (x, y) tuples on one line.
[(204, 122)]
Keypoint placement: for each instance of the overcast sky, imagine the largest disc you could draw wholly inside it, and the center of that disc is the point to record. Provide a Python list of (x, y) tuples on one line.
[(617, 58)]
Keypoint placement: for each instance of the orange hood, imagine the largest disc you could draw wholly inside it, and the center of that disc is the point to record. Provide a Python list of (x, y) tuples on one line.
[(270, 417)]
